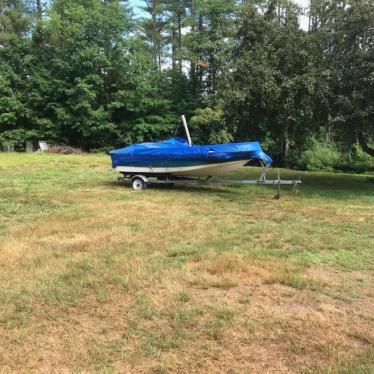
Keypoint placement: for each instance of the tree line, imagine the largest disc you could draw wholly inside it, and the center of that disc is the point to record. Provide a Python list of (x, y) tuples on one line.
[(89, 73)]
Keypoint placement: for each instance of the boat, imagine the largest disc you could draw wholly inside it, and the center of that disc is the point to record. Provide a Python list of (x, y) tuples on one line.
[(178, 161), (176, 157)]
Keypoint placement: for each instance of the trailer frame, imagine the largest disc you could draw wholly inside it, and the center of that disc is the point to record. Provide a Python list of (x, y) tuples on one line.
[(140, 181)]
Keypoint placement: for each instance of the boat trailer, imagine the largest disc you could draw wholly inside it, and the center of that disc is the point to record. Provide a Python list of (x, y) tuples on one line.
[(140, 182)]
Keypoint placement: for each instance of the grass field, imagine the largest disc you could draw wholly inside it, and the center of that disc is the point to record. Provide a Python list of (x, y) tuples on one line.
[(96, 277)]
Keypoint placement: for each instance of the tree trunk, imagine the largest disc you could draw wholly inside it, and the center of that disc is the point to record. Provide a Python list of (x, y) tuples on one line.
[(285, 148), (180, 42), (39, 10), (364, 145), (199, 72), (193, 65), (212, 80), (173, 48), (310, 16)]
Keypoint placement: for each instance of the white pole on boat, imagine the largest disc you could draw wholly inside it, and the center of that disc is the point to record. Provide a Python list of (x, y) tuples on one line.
[(186, 128)]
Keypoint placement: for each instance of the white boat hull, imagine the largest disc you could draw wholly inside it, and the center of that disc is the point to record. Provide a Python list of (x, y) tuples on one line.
[(188, 171)]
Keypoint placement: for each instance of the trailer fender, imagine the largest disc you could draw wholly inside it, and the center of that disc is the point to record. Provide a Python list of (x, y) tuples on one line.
[(142, 177)]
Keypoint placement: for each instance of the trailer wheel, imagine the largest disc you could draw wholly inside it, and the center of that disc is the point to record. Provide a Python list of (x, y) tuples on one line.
[(138, 184)]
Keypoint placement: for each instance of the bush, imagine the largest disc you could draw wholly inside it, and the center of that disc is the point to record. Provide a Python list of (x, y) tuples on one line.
[(13, 139), (320, 156), (327, 157), (356, 161)]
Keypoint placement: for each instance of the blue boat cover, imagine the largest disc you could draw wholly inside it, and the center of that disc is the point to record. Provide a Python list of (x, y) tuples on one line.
[(177, 151)]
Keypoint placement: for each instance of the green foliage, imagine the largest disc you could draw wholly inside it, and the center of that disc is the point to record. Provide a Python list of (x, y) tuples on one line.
[(327, 157), (11, 107), (320, 156), (87, 74), (208, 126), (80, 49), (84, 80), (270, 89), (14, 20), (152, 30), (356, 161), (350, 30), (13, 138)]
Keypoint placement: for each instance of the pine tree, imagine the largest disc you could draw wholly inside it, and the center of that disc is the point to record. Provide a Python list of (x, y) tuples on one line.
[(153, 29), (14, 20)]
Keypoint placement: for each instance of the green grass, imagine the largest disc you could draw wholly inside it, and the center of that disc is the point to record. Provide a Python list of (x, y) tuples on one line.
[(95, 277)]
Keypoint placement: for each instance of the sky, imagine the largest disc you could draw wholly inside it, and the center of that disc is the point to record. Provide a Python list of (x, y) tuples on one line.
[(303, 20), (303, 3)]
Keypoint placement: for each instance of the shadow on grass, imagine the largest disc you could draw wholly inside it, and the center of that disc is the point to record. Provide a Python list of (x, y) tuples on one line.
[(337, 186), (321, 184), (186, 188), (314, 184)]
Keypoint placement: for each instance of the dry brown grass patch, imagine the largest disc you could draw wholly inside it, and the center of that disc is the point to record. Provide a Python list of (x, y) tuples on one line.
[(184, 280)]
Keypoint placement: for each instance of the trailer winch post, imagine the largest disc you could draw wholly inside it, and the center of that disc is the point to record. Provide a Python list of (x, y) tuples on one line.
[(278, 183)]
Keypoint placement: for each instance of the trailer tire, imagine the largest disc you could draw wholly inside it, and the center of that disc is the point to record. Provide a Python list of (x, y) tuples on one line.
[(138, 184)]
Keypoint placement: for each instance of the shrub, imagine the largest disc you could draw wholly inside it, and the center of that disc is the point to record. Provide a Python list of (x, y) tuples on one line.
[(14, 139), (320, 156), (356, 161)]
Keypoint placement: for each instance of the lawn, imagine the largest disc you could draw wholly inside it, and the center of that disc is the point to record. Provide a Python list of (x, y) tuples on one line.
[(96, 277)]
